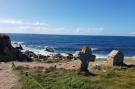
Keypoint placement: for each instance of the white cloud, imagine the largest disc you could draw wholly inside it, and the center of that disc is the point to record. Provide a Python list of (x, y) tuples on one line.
[(132, 33), (90, 30), (19, 26), (13, 22), (19, 22)]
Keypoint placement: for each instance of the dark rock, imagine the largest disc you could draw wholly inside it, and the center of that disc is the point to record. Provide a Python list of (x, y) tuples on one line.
[(19, 47), (59, 56), (24, 57), (35, 57), (8, 52), (116, 57), (67, 56), (54, 58), (49, 49), (70, 56), (41, 56), (30, 54)]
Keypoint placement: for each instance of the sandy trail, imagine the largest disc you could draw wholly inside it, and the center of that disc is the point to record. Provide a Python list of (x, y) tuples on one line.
[(7, 77)]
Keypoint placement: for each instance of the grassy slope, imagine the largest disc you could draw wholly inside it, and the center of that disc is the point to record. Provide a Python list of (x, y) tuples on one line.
[(68, 79)]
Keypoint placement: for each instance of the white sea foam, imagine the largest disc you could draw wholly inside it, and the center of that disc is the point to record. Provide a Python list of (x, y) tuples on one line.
[(46, 53), (100, 56), (64, 54), (35, 50), (17, 42), (40, 51), (94, 48)]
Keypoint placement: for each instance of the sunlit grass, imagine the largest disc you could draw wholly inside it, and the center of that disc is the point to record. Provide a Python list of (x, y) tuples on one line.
[(54, 78)]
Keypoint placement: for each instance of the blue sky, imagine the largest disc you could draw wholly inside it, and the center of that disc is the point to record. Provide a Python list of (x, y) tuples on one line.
[(74, 17)]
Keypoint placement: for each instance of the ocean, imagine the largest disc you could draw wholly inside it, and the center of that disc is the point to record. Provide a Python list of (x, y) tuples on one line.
[(101, 45)]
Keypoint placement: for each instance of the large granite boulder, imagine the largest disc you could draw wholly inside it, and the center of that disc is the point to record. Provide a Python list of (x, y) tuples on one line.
[(116, 57)]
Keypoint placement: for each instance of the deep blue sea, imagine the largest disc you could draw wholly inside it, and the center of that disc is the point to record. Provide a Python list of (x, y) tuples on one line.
[(101, 45)]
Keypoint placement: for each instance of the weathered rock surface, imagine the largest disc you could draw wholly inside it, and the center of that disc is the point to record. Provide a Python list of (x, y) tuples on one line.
[(116, 57), (30, 54), (8, 52), (19, 47)]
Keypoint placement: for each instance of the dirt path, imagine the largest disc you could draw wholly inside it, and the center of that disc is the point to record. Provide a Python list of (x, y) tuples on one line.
[(7, 77), (66, 65)]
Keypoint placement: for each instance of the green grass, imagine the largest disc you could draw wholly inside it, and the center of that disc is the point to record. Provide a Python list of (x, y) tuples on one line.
[(54, 78)]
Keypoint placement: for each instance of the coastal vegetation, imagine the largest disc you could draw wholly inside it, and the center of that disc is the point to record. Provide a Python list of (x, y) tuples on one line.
[(53, 78)]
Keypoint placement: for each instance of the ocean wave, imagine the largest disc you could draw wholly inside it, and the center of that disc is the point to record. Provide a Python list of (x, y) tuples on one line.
[(17, 42), (100, 52), (94, 48), (100, 56)]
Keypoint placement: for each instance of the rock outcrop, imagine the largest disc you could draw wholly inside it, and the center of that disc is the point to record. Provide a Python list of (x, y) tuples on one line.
[(49, 49), (8, 52), (116, 57), (19, 47)]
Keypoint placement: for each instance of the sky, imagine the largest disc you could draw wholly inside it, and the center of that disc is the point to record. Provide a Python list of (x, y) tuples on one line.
[(68, 17)]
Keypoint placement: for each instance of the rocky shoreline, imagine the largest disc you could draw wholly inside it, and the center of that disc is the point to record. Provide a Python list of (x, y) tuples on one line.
[(29, 60), (10, 53)]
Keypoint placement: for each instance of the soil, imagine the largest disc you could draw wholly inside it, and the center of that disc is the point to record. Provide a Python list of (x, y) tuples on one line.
[(7, 78)]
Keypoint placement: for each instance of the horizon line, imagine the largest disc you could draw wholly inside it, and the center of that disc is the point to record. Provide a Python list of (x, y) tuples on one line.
[(68, 34)]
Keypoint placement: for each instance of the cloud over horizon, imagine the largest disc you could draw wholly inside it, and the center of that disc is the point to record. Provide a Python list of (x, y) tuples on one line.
[(132, 33), (19, 26)]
